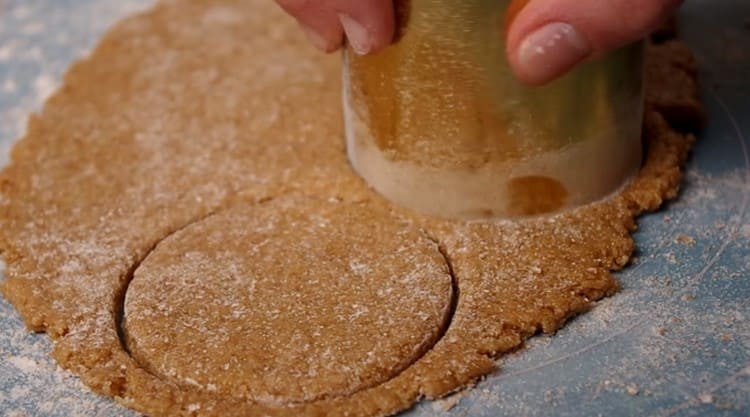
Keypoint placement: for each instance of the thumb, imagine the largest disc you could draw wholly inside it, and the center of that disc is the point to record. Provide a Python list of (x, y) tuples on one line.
[(547, 38)]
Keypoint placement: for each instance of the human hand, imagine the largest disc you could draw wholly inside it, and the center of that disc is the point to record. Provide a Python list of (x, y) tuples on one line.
[(369, 25), (550, 37), (546, 39)]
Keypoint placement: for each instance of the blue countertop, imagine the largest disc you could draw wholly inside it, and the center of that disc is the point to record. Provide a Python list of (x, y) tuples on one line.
[(674, 342)]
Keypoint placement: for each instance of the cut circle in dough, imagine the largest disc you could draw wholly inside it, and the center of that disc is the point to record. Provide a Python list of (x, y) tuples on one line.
[(210, 106), (290, 301)]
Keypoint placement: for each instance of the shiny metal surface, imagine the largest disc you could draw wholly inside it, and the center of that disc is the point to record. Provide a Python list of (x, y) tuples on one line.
[(439, 123), (675, 342)]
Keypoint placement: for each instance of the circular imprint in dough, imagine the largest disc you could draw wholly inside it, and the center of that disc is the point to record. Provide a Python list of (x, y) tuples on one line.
[(290, 301)]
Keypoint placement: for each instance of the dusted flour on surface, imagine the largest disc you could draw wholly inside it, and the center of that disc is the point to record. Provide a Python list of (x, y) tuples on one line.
[(199, 110)]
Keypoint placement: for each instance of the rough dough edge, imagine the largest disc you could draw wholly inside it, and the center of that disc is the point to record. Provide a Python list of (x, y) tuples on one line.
[(113, 372)]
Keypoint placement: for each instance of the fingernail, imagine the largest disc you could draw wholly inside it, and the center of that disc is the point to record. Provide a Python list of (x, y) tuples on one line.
[(358, 36), (315, 38), (550, 51)]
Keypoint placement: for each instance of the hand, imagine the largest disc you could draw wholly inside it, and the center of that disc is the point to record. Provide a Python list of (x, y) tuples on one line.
[(368, 24), (550, 37), (546, 39)]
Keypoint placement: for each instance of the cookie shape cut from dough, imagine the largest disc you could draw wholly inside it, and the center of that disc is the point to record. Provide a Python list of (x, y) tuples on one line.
[(291, 301), (199, 112)]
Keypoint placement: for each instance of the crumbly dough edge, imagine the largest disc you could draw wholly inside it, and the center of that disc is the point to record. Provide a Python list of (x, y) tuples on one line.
[(451, 365)]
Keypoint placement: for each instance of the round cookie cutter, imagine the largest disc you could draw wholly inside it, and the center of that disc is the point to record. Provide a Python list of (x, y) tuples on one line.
[(439, 124)]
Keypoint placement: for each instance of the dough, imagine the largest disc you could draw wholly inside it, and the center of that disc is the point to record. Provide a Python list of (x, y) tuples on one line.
[(203, 126), (238, 303)]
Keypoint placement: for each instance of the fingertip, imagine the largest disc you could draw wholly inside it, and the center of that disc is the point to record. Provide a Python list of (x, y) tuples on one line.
[(549, 52), (369, 25), (319, 41), (326, 38), (357, 34), (547, 38), (385, 30)]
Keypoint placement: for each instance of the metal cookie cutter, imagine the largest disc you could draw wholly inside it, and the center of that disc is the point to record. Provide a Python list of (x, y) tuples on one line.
[(438, 123)]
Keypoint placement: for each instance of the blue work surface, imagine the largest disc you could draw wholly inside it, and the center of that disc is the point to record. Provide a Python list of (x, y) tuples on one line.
[(674, 342)]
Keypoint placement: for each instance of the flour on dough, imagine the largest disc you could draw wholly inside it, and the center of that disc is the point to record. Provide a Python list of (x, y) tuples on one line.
[(193, 121)]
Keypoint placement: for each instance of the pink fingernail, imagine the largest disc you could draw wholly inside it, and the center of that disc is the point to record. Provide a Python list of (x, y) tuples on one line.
[(550, 51), (358, 36)]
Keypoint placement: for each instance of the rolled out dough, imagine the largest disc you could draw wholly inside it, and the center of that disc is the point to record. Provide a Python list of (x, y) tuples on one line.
[(290, 301), (181, 219)]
